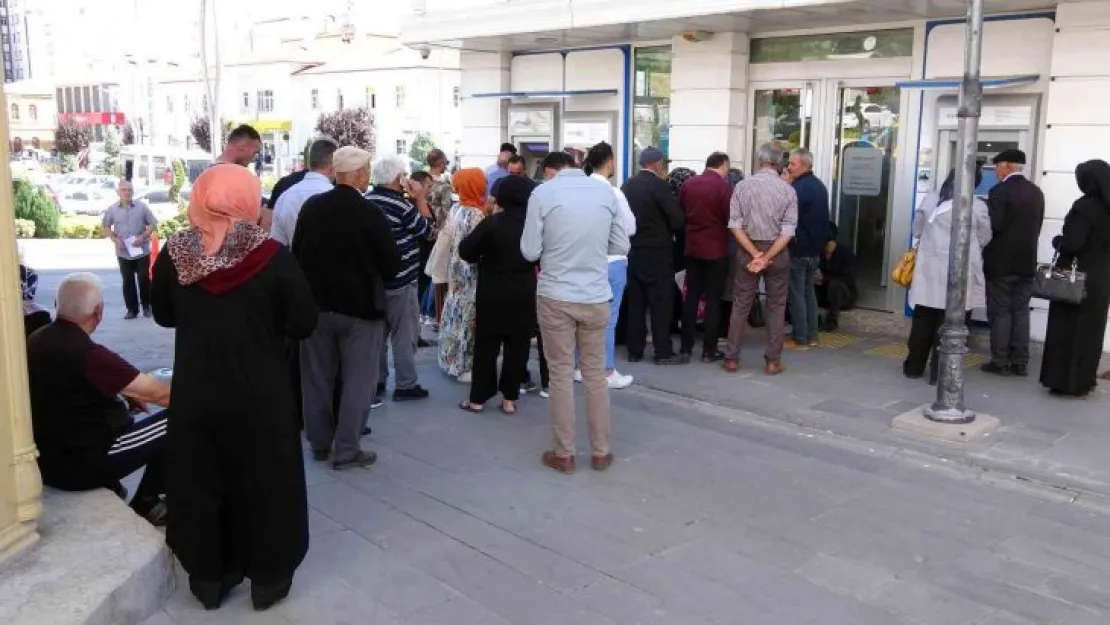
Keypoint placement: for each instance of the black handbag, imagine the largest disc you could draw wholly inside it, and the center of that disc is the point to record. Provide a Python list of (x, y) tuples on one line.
[(755, 315), (1060, 284)]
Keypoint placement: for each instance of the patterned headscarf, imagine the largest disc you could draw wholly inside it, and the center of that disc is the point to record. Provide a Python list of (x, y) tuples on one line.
[(470, 184), (678, 176)]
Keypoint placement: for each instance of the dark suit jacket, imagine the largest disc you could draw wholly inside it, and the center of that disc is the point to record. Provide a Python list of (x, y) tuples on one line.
[(1017, 211), (658, 215)]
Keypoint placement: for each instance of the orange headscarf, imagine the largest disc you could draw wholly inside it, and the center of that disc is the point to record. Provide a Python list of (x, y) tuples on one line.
[(470, 184), (222, 195)]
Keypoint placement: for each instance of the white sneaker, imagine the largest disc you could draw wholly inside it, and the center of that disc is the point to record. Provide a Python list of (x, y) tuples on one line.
[(544, 394), (464, 378), (577, 375), (618, 381)]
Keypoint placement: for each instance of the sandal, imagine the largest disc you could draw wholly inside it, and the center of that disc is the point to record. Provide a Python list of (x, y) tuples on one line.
[(510, 410), (469, 407)]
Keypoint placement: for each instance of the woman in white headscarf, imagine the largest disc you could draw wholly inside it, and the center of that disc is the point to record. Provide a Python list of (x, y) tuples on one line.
[(932, 231)]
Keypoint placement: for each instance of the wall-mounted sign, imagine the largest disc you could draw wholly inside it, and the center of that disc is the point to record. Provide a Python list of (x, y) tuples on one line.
[(585, 134), (530, 121), (993, 117), (862, 170)]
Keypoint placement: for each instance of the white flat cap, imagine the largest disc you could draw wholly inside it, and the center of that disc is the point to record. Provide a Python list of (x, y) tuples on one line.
[(349, 158)]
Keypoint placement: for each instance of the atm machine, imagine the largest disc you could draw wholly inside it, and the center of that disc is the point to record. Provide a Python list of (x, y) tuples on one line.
[(532, 130)]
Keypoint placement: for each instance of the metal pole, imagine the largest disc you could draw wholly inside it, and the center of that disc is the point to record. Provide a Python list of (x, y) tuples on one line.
[(949, 406)]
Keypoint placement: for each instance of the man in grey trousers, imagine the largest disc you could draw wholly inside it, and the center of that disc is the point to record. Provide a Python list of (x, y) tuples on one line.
[(346, 249), (410, 221)]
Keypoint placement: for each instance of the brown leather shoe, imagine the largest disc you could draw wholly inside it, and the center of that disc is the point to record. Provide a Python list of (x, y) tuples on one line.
[(731, 365), (559, 463), (774, 368), (601, 463)]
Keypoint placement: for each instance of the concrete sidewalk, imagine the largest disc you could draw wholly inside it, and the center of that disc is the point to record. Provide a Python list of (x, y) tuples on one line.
[(853, 385)]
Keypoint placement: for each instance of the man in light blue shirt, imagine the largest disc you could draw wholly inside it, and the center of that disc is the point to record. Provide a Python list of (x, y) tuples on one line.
[(316, 181), (500, 169), (573, 225)]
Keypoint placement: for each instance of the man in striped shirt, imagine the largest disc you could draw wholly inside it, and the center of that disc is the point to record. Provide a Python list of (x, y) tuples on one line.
[(410, 225)]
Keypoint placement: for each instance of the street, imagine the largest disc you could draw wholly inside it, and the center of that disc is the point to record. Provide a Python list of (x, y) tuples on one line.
[(710, 515)]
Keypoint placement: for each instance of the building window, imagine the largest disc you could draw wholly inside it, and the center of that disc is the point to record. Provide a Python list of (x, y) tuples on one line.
[(315, 97), (15, 112), (87, 92), (402, 147), (33, 113), (204, 103), (879, 44), (188, 106), (266, 101), (246, 101), (169, 104), (371, 98), (97, 100), (456, 96), (400, 96), (339, 99), (60, 100), (652, 100)]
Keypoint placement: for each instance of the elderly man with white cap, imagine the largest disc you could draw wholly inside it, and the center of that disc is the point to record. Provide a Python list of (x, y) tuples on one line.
[(346, 248)]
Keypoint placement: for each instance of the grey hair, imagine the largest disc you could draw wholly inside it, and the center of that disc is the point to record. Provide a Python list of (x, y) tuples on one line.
[(770, 153), (388, 170), (804, 155), (320, 153), (78, 295)]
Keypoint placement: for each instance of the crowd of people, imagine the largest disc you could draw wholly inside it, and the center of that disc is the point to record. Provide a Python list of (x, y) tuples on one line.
[(334, 276)]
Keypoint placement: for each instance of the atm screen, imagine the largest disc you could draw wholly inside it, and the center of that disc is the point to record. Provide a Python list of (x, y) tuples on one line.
[(989, 181), (536, 147)]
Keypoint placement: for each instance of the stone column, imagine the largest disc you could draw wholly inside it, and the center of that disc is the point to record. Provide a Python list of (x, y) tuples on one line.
[(709, 101), (483, 119), (20, 484)]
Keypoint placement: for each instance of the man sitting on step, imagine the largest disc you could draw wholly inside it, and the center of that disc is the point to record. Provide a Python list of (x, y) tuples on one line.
[(83, 396)]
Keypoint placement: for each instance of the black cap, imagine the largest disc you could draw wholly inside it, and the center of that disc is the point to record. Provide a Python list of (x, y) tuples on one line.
[(1016, 157), (508, 147)]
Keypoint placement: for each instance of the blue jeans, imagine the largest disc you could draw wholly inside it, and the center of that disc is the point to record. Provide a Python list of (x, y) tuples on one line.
[(803, 299), (618, 278)]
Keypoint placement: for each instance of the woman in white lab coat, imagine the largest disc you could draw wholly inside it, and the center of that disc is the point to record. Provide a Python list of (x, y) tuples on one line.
[(932, 231)]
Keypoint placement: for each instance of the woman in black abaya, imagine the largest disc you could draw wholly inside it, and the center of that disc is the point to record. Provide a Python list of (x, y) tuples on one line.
[(1073, 342)]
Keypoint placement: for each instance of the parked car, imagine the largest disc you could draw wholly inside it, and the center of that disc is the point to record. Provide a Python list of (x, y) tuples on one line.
[(874, 116), (88, 201), (158, 199)]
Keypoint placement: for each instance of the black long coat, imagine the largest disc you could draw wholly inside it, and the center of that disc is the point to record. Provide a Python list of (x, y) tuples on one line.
[(235, 482), (506, 297), (1073, 340)]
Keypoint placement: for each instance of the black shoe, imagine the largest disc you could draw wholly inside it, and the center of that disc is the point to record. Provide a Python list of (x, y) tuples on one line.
[(212, 594), (320, 455), (264, 596), (671, 360), (528, 386), (131, 315), (711, 357), (366, 431), (147, 313), (378, 401), (380, 390), (996, 369), (635, 357), (911, 374), (1021, 371), (422, 342), (410, 394)]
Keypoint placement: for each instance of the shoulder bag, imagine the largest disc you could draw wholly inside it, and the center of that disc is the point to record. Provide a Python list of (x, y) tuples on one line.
[(1060, 284)]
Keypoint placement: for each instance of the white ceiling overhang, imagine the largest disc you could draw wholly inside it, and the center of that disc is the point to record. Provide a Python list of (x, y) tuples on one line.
[(529, 25)]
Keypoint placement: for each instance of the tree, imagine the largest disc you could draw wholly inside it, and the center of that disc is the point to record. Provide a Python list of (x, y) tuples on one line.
[(199, 129), (71, 137), (178, 179), (129, 135), (349, 127), (113, 141), (33, 204), (418, 153)]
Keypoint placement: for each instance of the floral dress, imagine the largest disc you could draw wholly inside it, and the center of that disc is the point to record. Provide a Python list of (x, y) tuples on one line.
[(456, 334)]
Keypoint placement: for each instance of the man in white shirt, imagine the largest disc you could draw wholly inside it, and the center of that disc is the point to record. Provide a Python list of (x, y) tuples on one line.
[(316, 181)]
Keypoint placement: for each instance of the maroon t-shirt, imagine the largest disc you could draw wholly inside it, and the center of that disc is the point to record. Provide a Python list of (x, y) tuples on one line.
[(107, 371), (705, 200)]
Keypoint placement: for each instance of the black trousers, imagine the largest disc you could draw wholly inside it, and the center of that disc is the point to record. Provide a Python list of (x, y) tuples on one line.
[(924, 340), (484, 381), (135, 270), (142, 444), (545, 374), (650, 289), (1008, 313), (835, 296), (703, 277)]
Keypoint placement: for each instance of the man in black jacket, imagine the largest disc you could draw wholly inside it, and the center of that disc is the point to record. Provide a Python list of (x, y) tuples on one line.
[(346, 248), (651, 262), (1009, 262)]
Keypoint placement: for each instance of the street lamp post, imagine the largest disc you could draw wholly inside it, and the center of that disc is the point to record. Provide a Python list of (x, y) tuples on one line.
[(949, 406)]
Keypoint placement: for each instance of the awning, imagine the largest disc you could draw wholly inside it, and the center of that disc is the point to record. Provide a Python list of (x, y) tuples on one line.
[(545, 94), (990, 82)]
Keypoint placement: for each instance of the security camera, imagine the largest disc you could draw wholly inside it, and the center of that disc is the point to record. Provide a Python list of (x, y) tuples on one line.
[(425, 52)]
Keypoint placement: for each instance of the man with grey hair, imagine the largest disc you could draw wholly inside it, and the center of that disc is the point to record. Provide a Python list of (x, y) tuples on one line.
[(128, 224), (763, 217), (806, 247), (344, 246), (410, 225), (83, 397), (316, 181)]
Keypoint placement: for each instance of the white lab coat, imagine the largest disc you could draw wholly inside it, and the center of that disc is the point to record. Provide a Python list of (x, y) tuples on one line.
[(933, 227)]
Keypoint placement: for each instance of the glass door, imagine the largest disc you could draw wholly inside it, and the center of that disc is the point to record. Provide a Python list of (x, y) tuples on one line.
[(864, 147), (782, 113)]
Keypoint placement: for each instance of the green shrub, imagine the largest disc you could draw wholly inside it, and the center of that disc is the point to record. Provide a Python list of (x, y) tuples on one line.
[(81, 231), (178, 180), (24, 229), (268, 183), (33, 204), (68, 163), (180, 221)]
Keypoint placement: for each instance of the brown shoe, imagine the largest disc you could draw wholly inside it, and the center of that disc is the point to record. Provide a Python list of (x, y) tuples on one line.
[(559, 463), (731, 365), (774, 368), (601, 463)]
